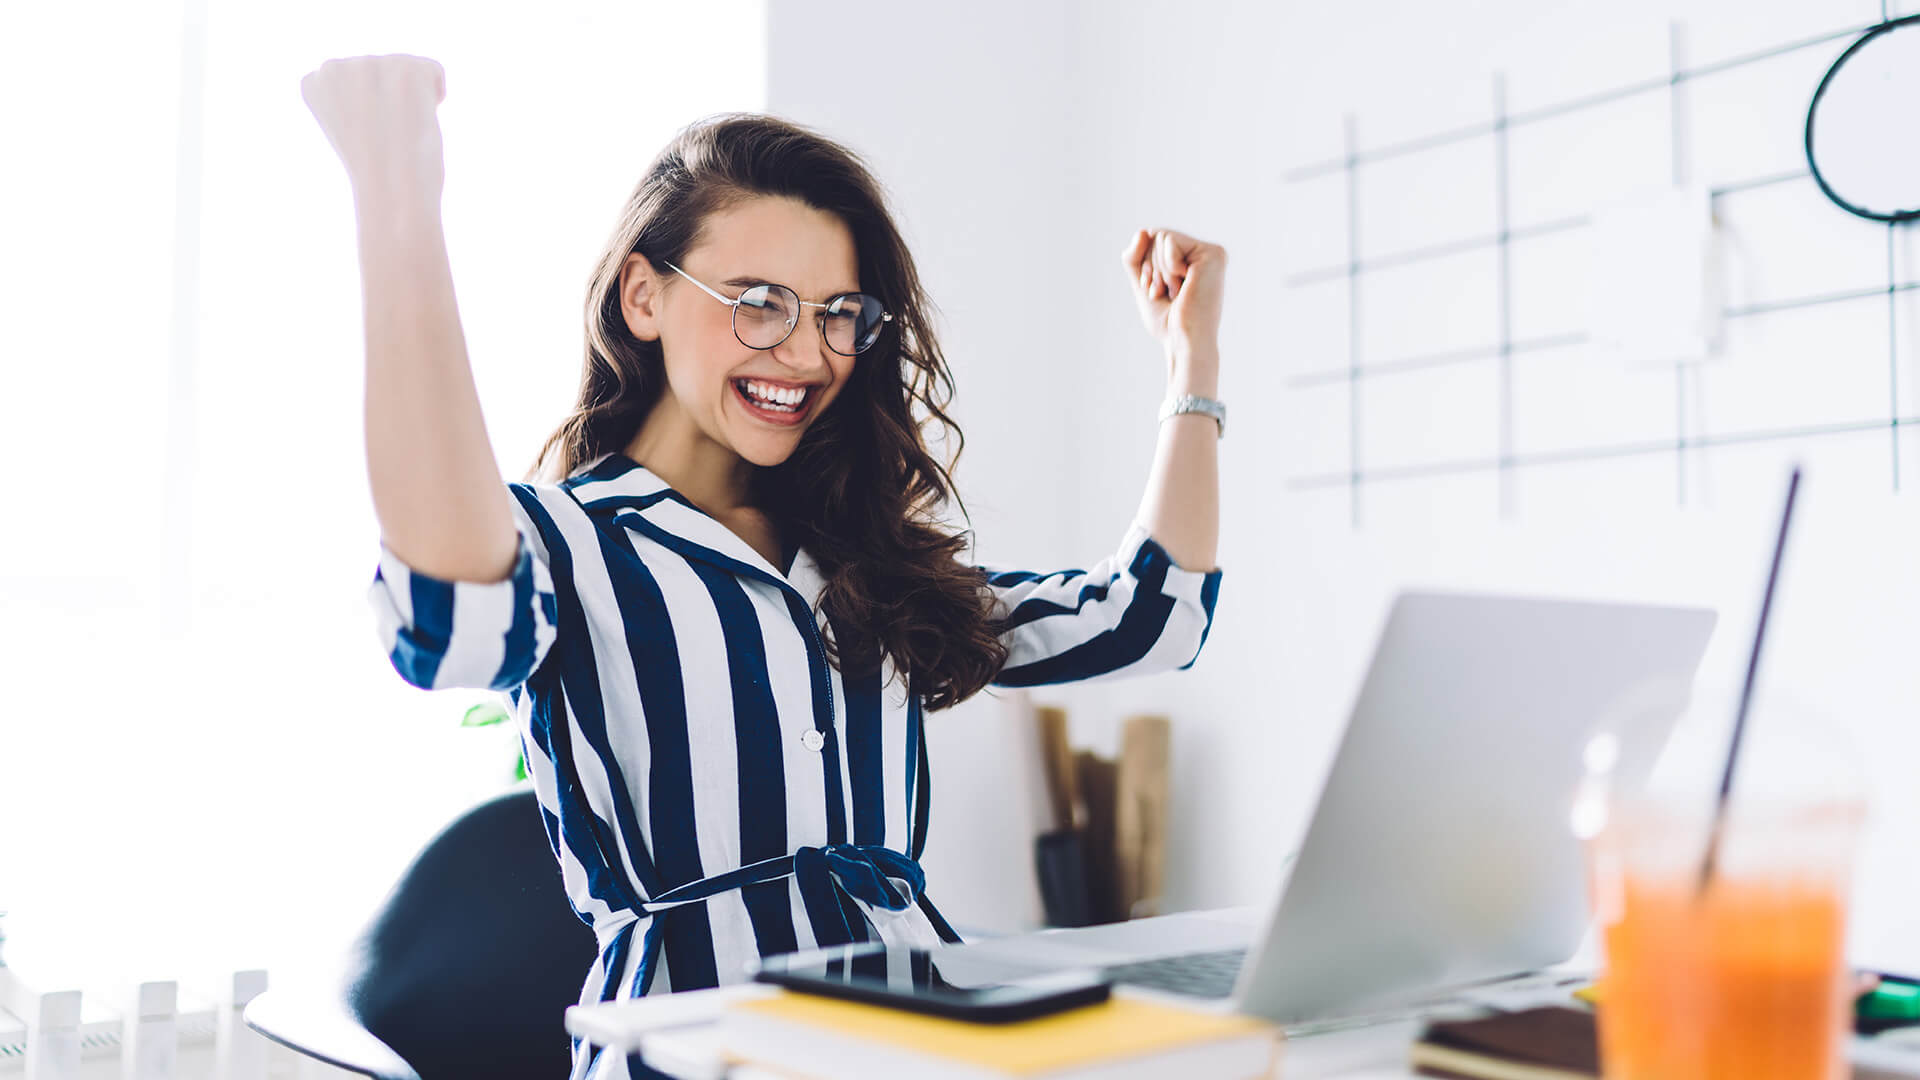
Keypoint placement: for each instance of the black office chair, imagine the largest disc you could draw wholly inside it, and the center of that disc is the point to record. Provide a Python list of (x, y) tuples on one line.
[(465, 970)]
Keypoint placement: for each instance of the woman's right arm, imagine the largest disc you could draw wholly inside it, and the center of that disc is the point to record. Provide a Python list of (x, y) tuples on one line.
[(463, 592), (437, 489)]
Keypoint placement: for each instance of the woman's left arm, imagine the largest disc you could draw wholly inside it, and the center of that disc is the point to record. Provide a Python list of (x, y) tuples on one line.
[(1177, 283), (1147, 606)]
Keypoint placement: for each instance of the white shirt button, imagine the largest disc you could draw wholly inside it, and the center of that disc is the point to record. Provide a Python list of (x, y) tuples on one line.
[(813, 740)]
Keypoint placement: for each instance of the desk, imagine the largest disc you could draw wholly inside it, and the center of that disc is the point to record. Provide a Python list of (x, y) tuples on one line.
[(676, 1033), (678, 1037), (682, 1041)]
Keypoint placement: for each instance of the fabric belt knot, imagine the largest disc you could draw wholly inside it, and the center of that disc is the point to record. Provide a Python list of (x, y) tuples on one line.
[(836, 879), (831, 878), (866, 872)]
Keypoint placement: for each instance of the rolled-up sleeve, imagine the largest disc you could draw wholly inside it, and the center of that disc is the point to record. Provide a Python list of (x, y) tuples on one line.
[(485, 635), (1133, 613)]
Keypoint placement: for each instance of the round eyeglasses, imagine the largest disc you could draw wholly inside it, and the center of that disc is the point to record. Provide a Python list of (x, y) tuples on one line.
[(765, 314)]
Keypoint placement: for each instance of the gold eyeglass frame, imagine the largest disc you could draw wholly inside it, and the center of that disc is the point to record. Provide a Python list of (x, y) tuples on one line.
[(885, 315)]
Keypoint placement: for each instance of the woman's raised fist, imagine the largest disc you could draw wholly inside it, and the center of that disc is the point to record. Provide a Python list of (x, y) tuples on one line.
[(379, 114)]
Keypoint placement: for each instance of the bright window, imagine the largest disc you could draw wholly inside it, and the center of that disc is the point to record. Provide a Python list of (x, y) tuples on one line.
[(207, 762)]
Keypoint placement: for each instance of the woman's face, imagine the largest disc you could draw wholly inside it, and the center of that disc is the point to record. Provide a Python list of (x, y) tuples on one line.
[(739, 397)]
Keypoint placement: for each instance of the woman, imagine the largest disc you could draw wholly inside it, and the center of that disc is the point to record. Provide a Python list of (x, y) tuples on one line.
[(721, 602)]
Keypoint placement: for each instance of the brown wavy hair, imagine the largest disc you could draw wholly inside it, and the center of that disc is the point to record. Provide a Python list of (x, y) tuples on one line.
[(860, 492)]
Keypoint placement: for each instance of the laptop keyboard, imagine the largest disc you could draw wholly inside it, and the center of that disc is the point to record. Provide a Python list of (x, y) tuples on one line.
[(1203, 975)]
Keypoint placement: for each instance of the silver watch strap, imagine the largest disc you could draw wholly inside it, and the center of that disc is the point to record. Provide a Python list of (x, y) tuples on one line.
[(1186, 403)]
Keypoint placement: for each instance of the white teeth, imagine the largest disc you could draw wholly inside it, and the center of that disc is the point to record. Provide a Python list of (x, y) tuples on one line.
[(774, 398)]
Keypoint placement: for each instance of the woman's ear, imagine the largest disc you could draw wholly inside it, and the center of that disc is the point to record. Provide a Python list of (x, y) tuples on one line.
[(639, 292)]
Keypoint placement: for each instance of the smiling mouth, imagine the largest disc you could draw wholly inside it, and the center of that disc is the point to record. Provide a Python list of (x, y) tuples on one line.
[(776, 401)]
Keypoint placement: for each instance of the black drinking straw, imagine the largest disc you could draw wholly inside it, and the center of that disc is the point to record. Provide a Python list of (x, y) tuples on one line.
[(1746, 690)]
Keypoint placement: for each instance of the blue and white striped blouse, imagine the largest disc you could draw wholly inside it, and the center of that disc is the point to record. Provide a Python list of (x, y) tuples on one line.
[(714, 790)]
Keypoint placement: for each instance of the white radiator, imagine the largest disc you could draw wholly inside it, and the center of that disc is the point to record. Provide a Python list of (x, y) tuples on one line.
[(151, 1032)]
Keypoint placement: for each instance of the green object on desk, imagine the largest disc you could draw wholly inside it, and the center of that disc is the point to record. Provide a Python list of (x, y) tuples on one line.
[(1893, 1003)]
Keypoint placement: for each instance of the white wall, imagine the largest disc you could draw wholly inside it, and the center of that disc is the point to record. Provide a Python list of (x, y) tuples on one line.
[(980, 121), (1025, 143), (970, 125)]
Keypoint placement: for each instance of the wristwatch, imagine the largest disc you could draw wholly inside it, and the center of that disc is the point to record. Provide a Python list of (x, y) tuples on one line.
[(1186, 403)]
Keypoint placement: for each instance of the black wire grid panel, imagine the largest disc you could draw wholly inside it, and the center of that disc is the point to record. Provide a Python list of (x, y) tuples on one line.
[(1506, 346)]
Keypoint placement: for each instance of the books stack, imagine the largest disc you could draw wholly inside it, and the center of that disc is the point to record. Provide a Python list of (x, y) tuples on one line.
[(803, 1035)]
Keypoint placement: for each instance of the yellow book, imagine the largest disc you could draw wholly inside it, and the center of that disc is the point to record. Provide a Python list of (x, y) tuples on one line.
[(810, 1035)]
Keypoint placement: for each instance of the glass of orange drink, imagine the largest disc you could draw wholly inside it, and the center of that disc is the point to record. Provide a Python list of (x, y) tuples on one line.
[(1731, 966)]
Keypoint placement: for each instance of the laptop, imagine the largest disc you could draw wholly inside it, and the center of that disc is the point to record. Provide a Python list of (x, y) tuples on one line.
[(1441, 852)]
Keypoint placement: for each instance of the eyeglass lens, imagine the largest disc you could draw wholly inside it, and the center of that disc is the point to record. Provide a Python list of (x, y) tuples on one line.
[(766, 314)]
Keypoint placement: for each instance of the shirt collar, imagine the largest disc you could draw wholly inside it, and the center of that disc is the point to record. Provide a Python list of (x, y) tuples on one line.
[(614, 486)]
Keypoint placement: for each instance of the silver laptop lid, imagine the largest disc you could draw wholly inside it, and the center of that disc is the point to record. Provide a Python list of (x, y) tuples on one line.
[(1440, 851)]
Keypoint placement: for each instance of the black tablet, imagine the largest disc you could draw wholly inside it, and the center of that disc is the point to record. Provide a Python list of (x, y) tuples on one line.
[(912, 979)]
